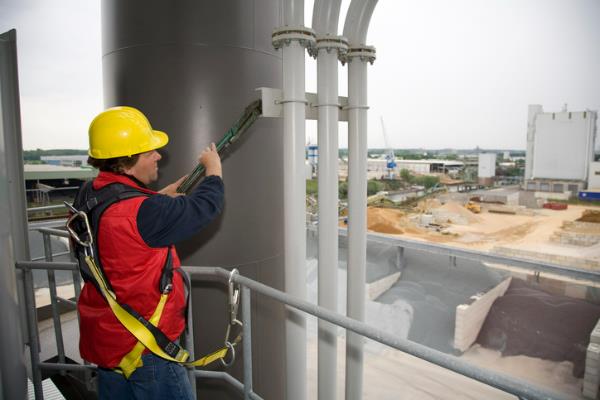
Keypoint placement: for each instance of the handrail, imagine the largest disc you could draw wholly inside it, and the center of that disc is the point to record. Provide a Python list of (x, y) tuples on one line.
[(508, 384), (533, 265), (46, 208), (53, 231)]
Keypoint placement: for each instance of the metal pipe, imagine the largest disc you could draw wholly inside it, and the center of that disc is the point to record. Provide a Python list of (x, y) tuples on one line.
[(220, 375), (357, 222), (34, 344), (188, 341), (60, 348), (54, 232), (45, 208), (325, 23), (247, 341), (67, 301), (55, 265), (400, 258), (533, 265), (66, 367), (294, 199), (62, 253), (355, 29), (227, 378), (14, 239)]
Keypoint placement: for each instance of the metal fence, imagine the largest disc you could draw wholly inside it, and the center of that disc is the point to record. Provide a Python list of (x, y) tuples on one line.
[(517, 387)]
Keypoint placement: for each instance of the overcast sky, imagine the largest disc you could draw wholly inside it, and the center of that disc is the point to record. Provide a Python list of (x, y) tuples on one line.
[(457, 73)]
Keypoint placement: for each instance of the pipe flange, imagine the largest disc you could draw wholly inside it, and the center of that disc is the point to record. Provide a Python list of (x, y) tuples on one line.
[(329, 44), (364, 53), (283, 36)]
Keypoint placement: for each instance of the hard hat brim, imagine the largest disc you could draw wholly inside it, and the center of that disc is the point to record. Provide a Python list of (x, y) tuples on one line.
[(159, 139)]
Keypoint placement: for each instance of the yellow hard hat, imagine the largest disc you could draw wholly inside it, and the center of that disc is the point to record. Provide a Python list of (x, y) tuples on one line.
[(123, 131)]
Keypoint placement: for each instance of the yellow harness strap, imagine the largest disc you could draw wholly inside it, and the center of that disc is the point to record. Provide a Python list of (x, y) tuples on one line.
[(145, 338)]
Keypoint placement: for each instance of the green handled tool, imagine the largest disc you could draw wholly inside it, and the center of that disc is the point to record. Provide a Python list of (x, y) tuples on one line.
[(251, 114)]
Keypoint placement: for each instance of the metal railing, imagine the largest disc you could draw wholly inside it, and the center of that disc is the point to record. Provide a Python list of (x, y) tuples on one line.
[(520, 388)]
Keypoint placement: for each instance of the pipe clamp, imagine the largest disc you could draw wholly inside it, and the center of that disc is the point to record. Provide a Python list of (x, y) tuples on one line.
[(283, 36), (365, 53), (329, 44)]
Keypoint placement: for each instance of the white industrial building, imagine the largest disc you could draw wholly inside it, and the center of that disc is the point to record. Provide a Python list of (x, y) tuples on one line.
[(66, 161), (377, 168), (486, 168), (560, 150)]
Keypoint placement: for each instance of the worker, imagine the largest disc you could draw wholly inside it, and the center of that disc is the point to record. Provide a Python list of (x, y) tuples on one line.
[(135, 239)]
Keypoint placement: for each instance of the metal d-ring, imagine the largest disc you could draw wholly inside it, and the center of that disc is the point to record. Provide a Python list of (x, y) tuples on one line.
[(232, 349)]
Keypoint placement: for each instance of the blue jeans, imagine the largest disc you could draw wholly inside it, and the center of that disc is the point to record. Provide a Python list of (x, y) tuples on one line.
[(158, 379)]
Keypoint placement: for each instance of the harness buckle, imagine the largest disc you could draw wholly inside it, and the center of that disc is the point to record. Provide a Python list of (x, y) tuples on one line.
[(168, 289)]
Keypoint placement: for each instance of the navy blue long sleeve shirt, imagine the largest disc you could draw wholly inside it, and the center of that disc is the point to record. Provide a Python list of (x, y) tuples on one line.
[(163, 220)]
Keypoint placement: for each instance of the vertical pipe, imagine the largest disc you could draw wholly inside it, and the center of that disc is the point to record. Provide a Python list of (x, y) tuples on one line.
[(357, 220), (189, 334), (247, 341), (400, 260), (295, 211), (355, 29), (13, 229), (329, 45), (60, 348), (294, 199), (327, 125), (34, 348)]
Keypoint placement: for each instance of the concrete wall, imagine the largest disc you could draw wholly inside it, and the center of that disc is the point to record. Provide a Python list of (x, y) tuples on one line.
[(554, 283), (591, 378), (577, 233), (552, 258), (380, 286), (470, 317)]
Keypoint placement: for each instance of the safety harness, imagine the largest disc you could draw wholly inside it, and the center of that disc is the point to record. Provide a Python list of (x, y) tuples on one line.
[(87, 209)]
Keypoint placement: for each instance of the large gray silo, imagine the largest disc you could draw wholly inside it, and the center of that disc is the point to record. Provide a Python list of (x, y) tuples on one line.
[(192, 67)]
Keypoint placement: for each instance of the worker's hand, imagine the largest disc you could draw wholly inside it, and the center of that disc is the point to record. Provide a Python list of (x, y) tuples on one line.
[(211, 161), (171, 190)]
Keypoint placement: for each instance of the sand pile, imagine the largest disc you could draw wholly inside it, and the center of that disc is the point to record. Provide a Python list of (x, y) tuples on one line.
[(425, 206), (590, 216), (451, 209), (385, 220), (528, 321)]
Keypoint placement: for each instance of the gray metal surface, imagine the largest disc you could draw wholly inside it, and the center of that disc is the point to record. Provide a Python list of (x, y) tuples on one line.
[(192, 67), (13, 228)]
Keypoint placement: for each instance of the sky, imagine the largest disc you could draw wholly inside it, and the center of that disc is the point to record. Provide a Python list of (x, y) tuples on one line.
[(448, 74)]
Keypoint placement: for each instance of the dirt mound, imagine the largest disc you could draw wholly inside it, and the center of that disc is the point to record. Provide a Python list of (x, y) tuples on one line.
[(528, 321), (458, 209), (385, 220), (590, 216), (425, 206)]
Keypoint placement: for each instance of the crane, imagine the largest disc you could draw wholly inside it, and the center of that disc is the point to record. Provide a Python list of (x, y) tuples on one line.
[(389, 153)]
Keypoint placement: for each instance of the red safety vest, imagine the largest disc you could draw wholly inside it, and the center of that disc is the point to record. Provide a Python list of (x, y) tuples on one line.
[(133, 269)]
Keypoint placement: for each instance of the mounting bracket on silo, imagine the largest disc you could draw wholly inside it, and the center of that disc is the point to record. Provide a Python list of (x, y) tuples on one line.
[(272, 104)]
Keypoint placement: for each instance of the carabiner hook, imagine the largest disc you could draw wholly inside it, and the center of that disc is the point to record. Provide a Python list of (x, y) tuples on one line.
[(234, 297)]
